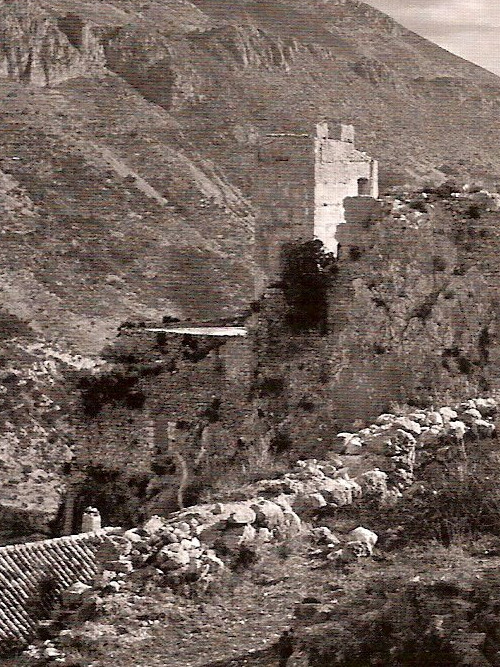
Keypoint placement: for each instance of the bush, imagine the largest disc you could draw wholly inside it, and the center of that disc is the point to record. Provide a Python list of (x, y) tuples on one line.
[(439, 263), (474, 212), (457, 511), (307, 271), (418, 205)]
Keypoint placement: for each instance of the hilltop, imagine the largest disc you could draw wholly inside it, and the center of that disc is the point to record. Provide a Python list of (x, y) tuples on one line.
[(128, 142)]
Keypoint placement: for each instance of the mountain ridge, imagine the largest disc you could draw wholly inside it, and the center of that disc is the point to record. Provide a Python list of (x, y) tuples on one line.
[(130, 132)]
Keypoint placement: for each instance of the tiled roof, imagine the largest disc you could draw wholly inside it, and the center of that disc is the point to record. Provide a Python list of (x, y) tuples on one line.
[(32, 576)]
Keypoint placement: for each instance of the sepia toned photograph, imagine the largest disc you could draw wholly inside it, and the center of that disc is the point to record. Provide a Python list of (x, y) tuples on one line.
[(249, 333)]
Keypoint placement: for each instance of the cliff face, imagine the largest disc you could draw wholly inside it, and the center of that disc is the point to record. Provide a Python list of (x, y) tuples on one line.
[(37, 50)]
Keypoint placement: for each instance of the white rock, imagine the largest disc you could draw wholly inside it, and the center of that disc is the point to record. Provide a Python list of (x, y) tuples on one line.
[(361, 534), (486, 406), (386, 418), (242, 514), (485, 429), (323, 535), (308, 502), (448, 414), (184, 528), (419, 417), (354, 550), (342, 492), (268, 513), (284, 501), (353, 447), (133, 536), (434, 419), (264, 535), (293, 524), (173, 560), (408, 425), (470, 416), (374, 483), (457, 429), (155, 525)]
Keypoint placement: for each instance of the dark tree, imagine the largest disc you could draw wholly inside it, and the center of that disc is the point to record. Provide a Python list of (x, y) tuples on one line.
[(307, 271)]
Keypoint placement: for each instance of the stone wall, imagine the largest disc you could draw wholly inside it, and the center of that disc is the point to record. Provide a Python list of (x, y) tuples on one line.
[(300, 183), (283, 190), (340, 171)]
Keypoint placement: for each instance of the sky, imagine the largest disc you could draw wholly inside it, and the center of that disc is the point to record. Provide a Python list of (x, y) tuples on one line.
[(469, 28)]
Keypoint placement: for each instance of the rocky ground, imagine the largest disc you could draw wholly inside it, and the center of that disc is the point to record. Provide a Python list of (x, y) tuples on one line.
[(219, 583)]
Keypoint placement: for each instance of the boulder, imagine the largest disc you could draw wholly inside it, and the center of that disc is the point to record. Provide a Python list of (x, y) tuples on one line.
[(284, 501), (486, 406), (364, 535), (430, 436), (75, 594), (448, 414), (434, 418), (374, 484), (386, 418), (341, 492), (292, 524), (353, 447), (353, 551), (183, 529), (484, 429), (409, 425), (304, 503), (268, 514), (264, 535), (457, 429), (155, 524), (215, 563), (419, 417), (133, 536), (470, 416), (324, 536), (122, 543), (242, 514), (169, 559), (237, 536)]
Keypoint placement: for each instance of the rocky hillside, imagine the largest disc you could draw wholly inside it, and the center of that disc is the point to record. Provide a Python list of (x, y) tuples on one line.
[(128, 132)]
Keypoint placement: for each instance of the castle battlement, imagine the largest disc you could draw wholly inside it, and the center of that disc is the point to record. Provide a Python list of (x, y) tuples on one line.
[(300, 184)]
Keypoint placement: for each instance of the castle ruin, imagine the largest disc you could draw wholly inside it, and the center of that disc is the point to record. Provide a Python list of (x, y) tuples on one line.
[(300, 188)]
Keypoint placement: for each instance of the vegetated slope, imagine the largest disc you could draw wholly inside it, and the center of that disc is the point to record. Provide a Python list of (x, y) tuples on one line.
[(128, 141)]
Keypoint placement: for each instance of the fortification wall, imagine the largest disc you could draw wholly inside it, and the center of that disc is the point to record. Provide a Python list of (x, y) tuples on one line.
[(284, 195), (340, 172), (200, 383), (300, 184)]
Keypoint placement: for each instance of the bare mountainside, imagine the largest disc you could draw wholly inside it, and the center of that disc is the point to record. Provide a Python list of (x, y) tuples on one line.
[(128, 141)]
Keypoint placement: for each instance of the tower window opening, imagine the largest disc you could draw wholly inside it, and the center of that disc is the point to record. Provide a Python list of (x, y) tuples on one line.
[(363, 187)]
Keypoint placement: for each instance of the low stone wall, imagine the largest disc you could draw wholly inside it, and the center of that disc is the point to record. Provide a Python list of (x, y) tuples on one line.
[(193, 547)]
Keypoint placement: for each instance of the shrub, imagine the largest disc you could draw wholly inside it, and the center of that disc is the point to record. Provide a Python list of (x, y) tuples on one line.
[(418, 205), (474, 212), (439, 263), (307, 270)]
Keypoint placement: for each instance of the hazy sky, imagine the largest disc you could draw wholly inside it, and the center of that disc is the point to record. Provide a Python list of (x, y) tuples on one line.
[(469, 28)]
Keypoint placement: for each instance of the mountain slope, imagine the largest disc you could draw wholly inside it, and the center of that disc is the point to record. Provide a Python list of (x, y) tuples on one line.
[(127, 153)]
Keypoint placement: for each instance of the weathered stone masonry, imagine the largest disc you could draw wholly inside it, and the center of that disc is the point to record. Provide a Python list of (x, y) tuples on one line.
[(300, 187)]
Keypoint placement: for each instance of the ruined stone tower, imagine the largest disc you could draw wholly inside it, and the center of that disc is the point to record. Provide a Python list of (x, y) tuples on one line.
[(300, 187)]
